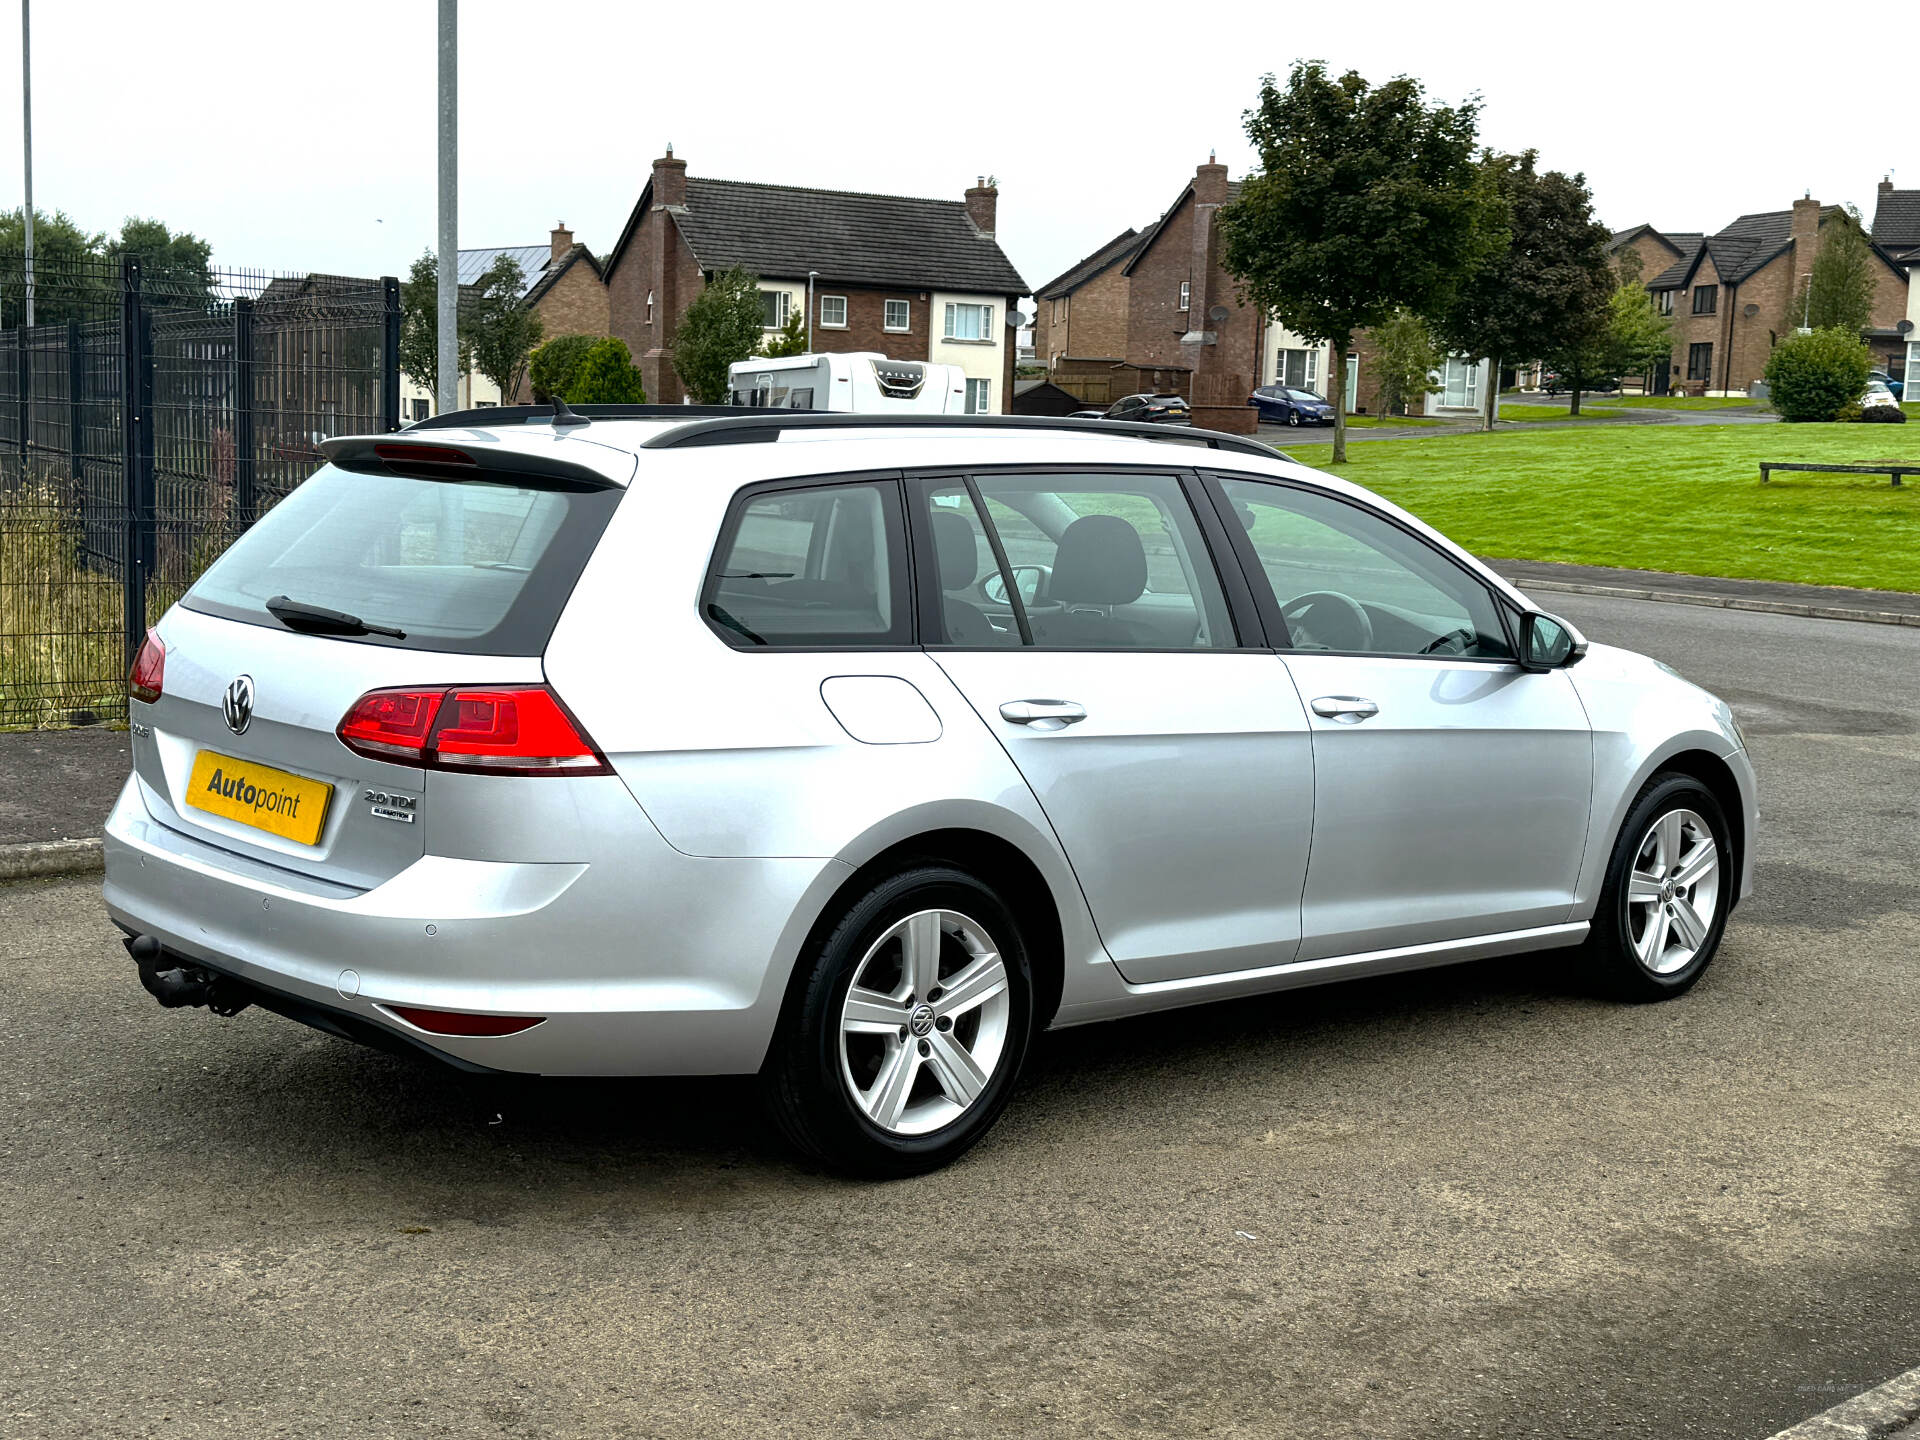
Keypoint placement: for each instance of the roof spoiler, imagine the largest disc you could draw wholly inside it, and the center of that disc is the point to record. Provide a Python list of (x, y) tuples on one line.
[(486, 464)]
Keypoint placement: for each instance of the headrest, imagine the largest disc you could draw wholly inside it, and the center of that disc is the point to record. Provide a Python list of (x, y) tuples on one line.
[(1100, 562), (958, 548)]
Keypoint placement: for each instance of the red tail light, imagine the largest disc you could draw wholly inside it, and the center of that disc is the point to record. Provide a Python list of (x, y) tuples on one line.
[(149, 670), (451, 1022), (411, 454), (521, 731)]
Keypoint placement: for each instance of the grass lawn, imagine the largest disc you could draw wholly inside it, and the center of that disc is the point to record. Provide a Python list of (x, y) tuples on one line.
[(1553, 412), (1684, 402), (1686, 499), (1390, 422)]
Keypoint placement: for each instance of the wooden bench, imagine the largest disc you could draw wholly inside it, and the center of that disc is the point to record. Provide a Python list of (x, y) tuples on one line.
[(1890, 469)]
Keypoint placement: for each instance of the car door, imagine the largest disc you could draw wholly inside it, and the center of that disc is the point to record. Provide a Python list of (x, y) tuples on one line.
[(1171, 759), (1452, 787)]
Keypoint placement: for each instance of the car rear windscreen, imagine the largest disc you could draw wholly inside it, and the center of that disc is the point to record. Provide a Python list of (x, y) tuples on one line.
[(470, 566)]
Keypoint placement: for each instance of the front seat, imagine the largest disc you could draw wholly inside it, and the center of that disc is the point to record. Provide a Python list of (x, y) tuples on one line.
[(1100, 564), (958, 550)]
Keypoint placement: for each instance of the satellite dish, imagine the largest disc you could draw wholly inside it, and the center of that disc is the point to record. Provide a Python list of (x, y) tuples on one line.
[(1219, 315), (1751, 311), (1019, 319), (1905, 327)]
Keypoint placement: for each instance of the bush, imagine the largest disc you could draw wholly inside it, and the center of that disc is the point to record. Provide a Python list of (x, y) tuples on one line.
[(607, 376), (1818, 375), (1883, 415), (555, 364)]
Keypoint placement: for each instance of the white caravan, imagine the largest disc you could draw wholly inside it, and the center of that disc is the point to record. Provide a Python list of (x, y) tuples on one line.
[(863, 382)]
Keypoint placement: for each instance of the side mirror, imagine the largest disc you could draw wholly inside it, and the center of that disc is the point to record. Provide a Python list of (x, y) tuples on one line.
[(1028, 577), (1548, 643)]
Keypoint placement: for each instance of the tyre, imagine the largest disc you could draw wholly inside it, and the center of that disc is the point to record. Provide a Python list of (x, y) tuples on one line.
[(1670, 883), (1293, 417), (904, 1033)]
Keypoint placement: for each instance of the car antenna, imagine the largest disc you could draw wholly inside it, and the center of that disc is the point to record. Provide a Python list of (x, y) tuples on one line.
[(563, 416)]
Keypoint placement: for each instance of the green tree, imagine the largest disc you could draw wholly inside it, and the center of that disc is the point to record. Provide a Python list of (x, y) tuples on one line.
[(1638, 337), (1818, 375), (1366, 202), (174, 269), (554, 365), (722, 325), (607, 376), (790, 338), (1404, 359), (1838, 293), (1541, 284), (420, 325), (503, 330)]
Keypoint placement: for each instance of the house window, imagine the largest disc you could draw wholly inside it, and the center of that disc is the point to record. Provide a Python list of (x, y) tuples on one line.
[(833, 312), (1663, 300), (969, 322), (1298, 368), (775, 306), (1700, 362), (1186, 293), (1706, 299), (420, 409), (1460, 384), (979, 397), (899, 315), (649, 307)]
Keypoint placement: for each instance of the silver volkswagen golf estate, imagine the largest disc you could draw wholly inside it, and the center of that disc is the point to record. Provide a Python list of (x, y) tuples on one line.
[(853, 751)]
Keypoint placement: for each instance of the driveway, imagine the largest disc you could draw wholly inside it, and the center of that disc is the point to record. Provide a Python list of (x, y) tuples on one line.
[(1472, 1202)]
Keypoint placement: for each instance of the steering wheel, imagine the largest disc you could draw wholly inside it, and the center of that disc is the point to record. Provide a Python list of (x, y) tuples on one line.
[(1329, 620)]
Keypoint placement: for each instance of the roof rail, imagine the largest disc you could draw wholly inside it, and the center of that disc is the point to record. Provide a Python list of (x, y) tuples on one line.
[(743, 427), (543, 414)]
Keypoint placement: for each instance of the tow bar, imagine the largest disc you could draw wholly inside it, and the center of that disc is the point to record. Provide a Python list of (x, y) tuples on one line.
[(177, 983)]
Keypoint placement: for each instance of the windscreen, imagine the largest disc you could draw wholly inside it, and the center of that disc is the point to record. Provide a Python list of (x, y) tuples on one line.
[(469, 565)]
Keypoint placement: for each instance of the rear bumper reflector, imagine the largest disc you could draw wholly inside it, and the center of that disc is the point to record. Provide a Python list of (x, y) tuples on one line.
[(452, 1022)]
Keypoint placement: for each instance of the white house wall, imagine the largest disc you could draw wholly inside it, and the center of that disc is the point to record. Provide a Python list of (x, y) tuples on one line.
[(978, 359)]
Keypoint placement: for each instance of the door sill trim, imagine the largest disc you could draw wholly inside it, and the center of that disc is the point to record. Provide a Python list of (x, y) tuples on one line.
[(1373, 962)]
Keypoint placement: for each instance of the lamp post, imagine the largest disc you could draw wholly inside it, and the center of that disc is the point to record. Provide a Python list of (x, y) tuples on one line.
[(448, 306), (26, 132)]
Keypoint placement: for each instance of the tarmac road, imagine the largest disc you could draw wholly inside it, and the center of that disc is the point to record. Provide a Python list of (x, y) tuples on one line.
[(1471, 1202)]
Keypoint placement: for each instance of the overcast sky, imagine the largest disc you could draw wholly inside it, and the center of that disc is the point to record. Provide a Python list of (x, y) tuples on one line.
[(300, 136)]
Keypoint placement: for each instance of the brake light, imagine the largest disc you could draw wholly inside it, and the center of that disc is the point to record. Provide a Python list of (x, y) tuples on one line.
[(423, 454), (451, 1022), (520, 731), (149, 670)]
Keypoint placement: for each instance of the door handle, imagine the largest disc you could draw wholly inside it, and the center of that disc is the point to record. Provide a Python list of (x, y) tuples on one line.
[(1346, 709), (1043, 714)]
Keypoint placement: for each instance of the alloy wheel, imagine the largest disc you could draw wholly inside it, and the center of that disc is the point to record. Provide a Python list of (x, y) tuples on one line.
[(1673, 892), (924, 1023)]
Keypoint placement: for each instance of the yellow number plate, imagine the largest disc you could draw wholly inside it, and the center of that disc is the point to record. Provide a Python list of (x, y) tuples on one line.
[(290, 806)]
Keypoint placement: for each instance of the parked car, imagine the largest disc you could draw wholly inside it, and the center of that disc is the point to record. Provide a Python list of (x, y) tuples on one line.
[(1897, 388), (1290, 405), (1878, 393), (634, 743), (1143, 408), (1556, 384)]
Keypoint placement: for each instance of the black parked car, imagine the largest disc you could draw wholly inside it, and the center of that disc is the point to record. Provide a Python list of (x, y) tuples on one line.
[(1152, 409)]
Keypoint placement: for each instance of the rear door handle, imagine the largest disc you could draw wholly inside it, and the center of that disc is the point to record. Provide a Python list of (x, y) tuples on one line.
[(1347, 709), (1043, 714)]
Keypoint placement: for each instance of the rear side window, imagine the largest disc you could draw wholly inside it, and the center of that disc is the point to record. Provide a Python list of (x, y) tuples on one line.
[(817, 565), (467, 566)]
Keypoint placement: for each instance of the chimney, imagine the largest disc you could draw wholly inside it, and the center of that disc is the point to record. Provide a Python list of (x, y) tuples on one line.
[(983, 199), (669, 180), (561, 242), (1210, 183), (1886, 184), (1806, 230)]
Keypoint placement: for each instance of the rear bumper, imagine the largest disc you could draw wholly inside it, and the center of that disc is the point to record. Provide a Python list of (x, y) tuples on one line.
[(644, 961)]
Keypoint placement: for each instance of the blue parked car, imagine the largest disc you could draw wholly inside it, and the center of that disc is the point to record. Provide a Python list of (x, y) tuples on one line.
[(1290, 405)]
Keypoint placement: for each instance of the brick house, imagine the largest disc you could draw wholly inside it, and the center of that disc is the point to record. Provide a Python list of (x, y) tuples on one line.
[(1896, 233), (914, 279), (561, 280), (1654, 251), (1733, 296), (1083, 312)]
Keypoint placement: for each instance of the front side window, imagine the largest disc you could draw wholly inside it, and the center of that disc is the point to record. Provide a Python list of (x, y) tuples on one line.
[(979, 397), (899, 315), (1706, 299), (1098, 562), (969, 322), (811, 566), (1700, 362), (775, 306), (1351, 581), (833, 312)]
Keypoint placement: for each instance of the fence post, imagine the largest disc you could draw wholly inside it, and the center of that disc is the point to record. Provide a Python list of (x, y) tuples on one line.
[(245, 491), (76, 411), (136, 450), (389, 352)]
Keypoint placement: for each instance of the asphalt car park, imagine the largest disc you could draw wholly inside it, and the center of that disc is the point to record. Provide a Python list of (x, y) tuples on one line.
[(1472, 1201)]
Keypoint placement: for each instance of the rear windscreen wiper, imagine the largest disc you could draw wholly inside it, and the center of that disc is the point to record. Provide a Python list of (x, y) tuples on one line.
[(297, 615)]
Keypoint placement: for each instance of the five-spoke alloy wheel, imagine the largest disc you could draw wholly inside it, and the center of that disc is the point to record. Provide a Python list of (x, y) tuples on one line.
[(900, 1044)]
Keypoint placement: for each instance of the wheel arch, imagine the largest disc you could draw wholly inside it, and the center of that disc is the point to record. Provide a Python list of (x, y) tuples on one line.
[(1713, 772)]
